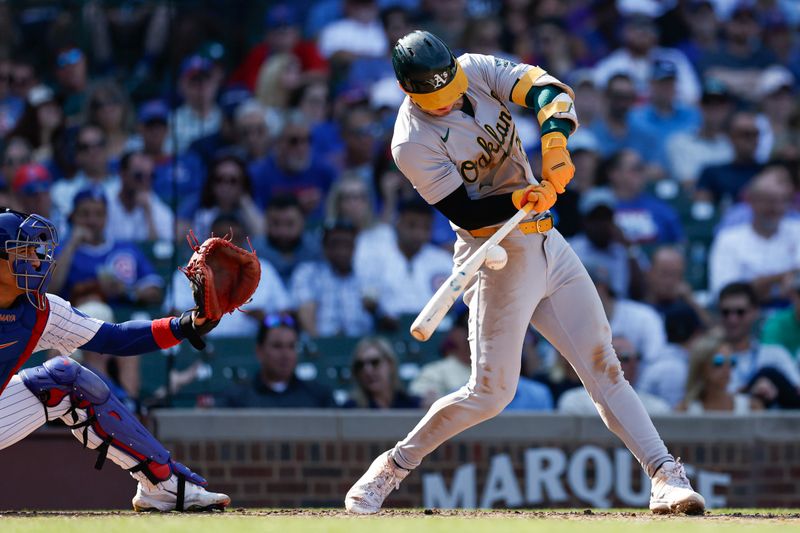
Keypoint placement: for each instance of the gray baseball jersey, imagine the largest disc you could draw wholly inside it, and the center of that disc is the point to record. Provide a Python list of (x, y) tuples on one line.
[(438, 154)]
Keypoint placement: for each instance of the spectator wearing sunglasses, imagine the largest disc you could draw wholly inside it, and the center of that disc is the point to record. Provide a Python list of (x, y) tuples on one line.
[(91, 159), (276, 384), (739, 311), (136, 213), (270, 296), (783, 327), (377, 383), (292, 168), (711, 368)]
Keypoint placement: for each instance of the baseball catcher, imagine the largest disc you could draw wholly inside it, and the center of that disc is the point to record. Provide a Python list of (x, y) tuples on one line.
[(32, 320)]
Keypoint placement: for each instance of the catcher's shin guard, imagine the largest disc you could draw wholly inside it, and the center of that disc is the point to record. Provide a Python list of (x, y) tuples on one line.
[(97, 415)]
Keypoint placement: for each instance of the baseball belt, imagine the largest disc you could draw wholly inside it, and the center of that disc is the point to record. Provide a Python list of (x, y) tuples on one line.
[(538, 225)]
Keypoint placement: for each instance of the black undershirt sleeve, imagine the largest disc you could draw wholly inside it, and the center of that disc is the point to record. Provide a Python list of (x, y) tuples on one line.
[(474, 214)]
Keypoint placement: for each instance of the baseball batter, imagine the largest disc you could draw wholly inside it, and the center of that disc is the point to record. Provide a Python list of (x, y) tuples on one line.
[(457, 143), (32, 320)]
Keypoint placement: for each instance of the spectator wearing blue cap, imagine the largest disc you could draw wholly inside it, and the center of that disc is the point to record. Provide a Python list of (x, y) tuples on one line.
[(71, 73), (93, 265), (199, 115), (175, 178), (282, 35), (601, 243), (664, 115), (688, 152)]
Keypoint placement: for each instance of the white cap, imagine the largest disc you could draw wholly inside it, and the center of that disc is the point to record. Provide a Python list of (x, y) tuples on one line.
[(773, 78), (386, 93), (39, 95)]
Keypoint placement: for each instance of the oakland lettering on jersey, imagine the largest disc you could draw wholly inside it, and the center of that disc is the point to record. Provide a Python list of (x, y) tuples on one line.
[(470, 170)]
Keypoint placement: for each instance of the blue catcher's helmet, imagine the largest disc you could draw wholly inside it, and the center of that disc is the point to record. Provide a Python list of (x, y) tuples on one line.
[(29, 243)]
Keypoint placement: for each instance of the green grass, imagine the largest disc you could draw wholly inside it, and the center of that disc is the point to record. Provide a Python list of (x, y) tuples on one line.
[(404, 522)]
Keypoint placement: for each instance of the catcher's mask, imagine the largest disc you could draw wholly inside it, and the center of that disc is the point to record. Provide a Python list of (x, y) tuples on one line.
[(28, 244), (427, 71)]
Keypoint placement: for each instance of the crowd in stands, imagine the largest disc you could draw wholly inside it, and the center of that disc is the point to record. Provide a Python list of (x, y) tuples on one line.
[(131, 123)]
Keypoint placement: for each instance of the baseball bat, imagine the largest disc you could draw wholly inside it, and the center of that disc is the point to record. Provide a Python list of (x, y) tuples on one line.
[(443, 299)]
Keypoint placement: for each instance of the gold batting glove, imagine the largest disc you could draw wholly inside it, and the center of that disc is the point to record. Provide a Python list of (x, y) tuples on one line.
[(542, 196), (557, 167)]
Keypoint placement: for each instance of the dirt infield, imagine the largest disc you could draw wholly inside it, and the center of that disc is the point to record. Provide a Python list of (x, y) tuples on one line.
[(722, 516)]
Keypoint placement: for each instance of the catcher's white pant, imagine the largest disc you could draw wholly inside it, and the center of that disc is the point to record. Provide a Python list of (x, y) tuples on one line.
[(21, 413), (545, 284)]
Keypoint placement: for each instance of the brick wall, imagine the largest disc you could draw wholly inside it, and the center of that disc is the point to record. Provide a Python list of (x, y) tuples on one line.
[(762, 460), (318, 474), (310, 458)]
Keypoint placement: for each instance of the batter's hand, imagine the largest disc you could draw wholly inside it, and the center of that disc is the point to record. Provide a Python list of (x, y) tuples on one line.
[(542, 196), (557, 167)]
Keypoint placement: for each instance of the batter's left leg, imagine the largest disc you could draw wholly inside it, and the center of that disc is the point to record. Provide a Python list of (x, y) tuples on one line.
[(572, 319)]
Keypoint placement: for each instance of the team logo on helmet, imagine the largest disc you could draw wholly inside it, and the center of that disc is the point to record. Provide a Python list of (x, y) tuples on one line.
[(439, 80)]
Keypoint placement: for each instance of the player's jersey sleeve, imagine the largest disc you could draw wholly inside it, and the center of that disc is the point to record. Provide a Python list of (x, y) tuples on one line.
[(501, 75), (67, 328), (433, 175)]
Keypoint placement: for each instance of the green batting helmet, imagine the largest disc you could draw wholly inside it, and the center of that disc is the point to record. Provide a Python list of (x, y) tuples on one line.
[(427, 70)]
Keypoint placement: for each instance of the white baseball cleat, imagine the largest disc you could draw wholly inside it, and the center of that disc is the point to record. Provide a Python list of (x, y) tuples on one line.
[(165, 497), (671, 492), (381, 478)]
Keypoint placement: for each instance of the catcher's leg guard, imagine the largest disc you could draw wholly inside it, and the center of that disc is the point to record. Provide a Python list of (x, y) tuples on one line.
[(100, 421)]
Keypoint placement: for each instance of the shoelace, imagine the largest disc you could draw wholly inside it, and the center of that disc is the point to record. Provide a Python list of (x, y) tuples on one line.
[(386, 477), (676, 475)]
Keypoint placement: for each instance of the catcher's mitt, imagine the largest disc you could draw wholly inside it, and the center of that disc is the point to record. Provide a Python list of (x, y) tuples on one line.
[(223, 276)]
